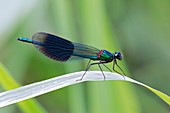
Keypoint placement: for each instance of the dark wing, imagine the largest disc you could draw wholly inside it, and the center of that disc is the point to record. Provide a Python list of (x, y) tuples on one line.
[(61, 49), (53, 46)]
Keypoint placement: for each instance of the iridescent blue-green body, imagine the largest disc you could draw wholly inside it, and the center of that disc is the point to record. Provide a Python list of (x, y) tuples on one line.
[(61, 49)]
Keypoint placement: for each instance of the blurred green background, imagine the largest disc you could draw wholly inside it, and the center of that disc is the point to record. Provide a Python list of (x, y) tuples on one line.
[(138, 28)]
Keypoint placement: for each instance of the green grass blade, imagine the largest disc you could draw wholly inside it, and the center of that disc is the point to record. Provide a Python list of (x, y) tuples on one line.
[(7, 82), (163, 96)]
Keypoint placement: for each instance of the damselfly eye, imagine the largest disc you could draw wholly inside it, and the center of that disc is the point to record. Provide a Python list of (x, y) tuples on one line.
[(118, 55)]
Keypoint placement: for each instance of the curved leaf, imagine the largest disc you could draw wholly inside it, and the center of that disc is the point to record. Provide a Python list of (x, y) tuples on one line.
[(39, 88)]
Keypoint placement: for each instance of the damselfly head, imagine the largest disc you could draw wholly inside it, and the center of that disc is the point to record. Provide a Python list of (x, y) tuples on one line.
[(118, 55)]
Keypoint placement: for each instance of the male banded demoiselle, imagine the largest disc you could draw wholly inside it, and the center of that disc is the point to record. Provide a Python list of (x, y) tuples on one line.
[(63, 50)]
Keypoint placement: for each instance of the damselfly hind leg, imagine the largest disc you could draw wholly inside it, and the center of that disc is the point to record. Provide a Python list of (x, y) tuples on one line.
[(89, 65), (87, 68)]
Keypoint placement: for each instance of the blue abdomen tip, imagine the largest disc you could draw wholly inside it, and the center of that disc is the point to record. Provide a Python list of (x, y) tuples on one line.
[(25, 40)]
